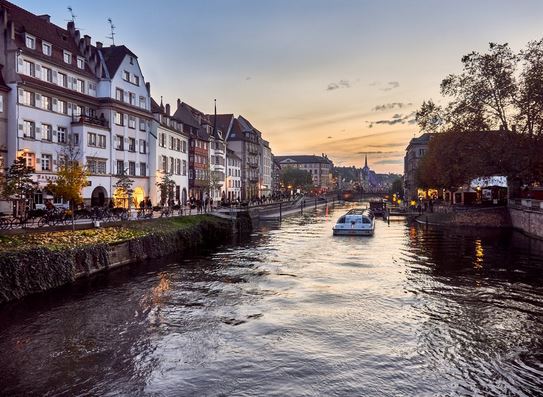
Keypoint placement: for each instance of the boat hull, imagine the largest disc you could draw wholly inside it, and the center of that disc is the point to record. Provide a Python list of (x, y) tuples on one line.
[(353, 232)]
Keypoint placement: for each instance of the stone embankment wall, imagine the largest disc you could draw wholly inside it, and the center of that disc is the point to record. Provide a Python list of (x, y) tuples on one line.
[(527, 221), (31, 271), (484, 217)]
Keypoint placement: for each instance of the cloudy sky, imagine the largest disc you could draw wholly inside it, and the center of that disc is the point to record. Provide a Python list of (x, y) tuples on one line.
[(340, 77)]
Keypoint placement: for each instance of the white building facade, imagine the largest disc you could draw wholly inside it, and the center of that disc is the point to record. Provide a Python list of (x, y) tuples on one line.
[(168, 149), (233, 176)]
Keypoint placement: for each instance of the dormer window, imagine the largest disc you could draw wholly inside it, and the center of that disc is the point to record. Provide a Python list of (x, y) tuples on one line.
[(46, 48), (131, 61), (68, 57), (30, 41), (80, 63)]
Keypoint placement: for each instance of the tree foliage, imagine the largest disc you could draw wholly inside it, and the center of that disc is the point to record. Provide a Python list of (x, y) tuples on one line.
[(70, 181), (498, 89), (166, 187), (296, 178), (18, 182), (454, 158)]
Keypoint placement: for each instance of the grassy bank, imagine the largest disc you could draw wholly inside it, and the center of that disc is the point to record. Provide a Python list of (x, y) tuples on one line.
[(38, 261), (66, 240)]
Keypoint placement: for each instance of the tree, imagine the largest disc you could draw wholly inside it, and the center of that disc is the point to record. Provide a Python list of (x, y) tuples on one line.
[(124, 185), (18, 183), (294, 178), (166, 187), (530, 98), (484, 94), (397, 187), (430, 117)]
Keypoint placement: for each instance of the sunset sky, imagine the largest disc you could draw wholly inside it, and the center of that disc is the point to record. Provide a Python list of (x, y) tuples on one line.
[(339, 77)]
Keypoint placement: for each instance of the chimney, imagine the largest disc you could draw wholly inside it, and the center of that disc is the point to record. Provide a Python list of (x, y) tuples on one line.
[(148, 86), (70, 27), (178, 102), (45, 17), (168, 109), (87, 39), (99, 44)]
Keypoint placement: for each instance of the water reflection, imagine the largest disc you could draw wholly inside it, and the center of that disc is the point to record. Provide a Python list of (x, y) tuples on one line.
[(295, 311)]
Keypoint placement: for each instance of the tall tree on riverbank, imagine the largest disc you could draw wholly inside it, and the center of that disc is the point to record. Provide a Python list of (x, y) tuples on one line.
[(294, 178), (18, 184)]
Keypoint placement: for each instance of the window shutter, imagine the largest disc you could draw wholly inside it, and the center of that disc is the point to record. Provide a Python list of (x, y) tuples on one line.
[(38, 132), (55, 77), (38, 100), (125, 119), (54, 132), (21, 95), (21, 130), (20, 64), (37, 70), (55, 105)]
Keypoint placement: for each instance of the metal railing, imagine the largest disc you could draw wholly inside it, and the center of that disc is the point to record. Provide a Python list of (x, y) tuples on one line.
[(84, 119), (526, 204)]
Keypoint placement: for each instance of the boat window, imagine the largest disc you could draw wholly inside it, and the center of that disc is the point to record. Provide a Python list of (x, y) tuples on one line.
[(341, 220), (366, 220)]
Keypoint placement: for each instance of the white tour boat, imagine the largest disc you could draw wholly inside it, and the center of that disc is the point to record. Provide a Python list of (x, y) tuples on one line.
[(357, 222)]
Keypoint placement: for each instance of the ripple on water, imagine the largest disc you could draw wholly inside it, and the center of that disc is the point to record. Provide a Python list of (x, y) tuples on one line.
[(295, 311)]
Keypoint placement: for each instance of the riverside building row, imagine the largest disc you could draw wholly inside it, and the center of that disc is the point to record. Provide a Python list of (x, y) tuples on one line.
[(58, 90)]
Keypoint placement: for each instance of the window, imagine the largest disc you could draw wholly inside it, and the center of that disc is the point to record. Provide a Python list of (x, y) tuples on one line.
[(29, 98), (120, 167), (142, 102), (30, 159), (67, 57), (62, 108), (119, 142), (80, 63), (46, 162), (126, 75), (75, 138), (92, 88), (96, 166), (119, 94), (143, 169), (80, 86), (132, 98), (46, 48), (1, 110), (184, 146), (131, 144), (172, 165), (91, 139), (119, 118), (142, 125), (135, 80), (178, 166), (47, 132), (29, 68), (62, 80), (46, 102), (184, 167), (29, 129), (131, 122), (131, 168), (61, 134), (77, 110), (30, 41), (102, 141), (164, 164), (172, 142), (46, 74), (143, 146), (162, 140)]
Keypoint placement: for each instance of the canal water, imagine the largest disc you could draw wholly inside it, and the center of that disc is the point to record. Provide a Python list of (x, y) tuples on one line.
[(294, 311)]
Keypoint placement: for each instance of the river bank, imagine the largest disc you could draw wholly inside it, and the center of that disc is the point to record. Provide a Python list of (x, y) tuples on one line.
[(35, 262)]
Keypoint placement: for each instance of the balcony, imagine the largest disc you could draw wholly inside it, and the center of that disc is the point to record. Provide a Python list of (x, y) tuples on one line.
[(95, 121)]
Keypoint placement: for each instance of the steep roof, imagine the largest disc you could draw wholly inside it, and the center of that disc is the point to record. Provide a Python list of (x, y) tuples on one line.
[(114, 56), (184, 115), (421, 140), (42, 29), (223, 123), (303, 159)]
